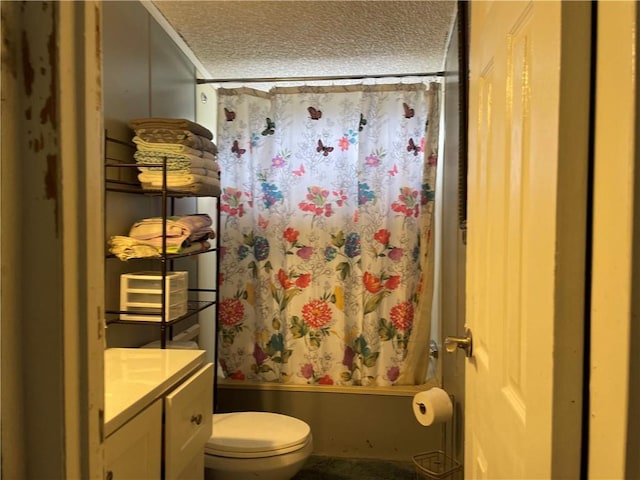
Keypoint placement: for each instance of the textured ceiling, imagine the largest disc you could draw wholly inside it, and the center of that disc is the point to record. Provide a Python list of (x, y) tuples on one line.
[(249, 39)]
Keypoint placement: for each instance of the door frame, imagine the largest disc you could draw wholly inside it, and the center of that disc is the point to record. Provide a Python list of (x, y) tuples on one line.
[(53, 240), (614, 392)]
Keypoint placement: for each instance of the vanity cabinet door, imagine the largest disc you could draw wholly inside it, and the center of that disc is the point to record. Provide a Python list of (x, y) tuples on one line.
[(133, 451), (188, 411)]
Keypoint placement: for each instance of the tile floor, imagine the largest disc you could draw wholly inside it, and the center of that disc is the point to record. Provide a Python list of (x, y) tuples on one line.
[(331, 468)]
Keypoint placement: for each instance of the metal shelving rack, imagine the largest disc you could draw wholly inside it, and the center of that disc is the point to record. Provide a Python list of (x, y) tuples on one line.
[(168, 197)]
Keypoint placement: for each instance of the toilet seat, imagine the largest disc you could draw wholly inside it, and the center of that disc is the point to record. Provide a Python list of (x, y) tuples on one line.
[(256, 435)]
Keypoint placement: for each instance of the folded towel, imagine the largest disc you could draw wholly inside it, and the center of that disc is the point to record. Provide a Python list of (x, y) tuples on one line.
[(191, 222), (154, 161), (200, 246), (177, 180), (181, 171), (144, 146), (195, 221), (209, 155), (125, 248), (199, 189), (181, 137), (172, 123), (178, 230)]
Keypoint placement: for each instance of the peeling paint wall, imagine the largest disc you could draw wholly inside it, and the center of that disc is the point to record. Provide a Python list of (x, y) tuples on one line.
[(52, 240), (32, 318), (12, 110)]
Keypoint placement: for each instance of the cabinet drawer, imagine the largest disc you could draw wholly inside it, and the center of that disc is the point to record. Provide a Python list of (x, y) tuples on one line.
[(188, 411), (133, 451)]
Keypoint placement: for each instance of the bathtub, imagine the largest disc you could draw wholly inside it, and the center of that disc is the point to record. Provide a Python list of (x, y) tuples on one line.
[(350, 422)]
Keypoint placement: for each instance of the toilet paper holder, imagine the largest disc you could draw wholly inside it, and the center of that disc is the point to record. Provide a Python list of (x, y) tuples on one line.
[(436, 465), (440, 464)]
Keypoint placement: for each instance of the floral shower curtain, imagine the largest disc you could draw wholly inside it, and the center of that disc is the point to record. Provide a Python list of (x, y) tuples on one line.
[(326, 220)]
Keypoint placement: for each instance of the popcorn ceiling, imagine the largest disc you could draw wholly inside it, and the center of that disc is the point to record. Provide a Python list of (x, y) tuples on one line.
[(248, 39)]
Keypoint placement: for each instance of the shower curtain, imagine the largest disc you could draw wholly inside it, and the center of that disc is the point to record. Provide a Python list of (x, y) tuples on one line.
[(326, 259)]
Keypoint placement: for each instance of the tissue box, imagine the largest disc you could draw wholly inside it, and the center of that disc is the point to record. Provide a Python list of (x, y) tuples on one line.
[(141, 293)]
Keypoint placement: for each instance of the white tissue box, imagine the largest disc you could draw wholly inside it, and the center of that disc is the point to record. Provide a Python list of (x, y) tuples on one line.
[(141, 292)]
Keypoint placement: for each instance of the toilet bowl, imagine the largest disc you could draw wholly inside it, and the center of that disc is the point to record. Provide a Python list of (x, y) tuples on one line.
[(256, 445)]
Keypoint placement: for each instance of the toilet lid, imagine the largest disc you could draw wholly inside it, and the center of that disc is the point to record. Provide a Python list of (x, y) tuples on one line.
[(255, 434)]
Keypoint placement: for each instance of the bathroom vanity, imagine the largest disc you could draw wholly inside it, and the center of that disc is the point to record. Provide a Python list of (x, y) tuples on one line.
[(143, 386)]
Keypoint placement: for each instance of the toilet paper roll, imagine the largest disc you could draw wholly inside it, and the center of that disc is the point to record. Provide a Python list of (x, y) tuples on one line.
[(432, 406)]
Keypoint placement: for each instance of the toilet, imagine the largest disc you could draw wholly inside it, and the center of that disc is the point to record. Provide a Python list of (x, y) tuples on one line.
[(256, 445), (252, 445)]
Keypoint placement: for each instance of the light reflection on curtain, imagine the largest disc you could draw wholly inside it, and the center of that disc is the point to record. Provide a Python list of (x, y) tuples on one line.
[(326, 260)]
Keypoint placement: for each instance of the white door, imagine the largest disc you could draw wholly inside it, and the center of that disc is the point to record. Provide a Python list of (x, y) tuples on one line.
[(528, 127)]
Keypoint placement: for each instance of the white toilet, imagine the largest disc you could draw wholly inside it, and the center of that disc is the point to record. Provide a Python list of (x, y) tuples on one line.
[(256, 445)]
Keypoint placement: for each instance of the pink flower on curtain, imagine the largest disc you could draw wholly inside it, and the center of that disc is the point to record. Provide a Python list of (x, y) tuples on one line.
[(317, 313), (305, 253), (306, 370), (231, 202), (372, 160), (317, 197), (393, 373), (259, 355), (349, 355), (231, 311), (277, 161), (395, 254), (407, 203), (402, 315), (291, 235), (318, 201), (343, 143), (342, 197)]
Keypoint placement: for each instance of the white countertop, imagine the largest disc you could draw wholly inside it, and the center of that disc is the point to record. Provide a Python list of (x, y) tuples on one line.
[(135, 377)]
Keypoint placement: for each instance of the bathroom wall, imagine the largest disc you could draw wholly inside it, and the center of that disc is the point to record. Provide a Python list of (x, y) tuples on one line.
[(378, 425), (453, 248), (145, 74)]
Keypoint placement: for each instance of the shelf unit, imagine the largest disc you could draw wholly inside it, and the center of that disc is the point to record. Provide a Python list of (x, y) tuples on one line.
[(168, 197)]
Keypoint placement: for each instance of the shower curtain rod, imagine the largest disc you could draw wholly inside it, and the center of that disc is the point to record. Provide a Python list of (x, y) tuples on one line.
[(313, 79)]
